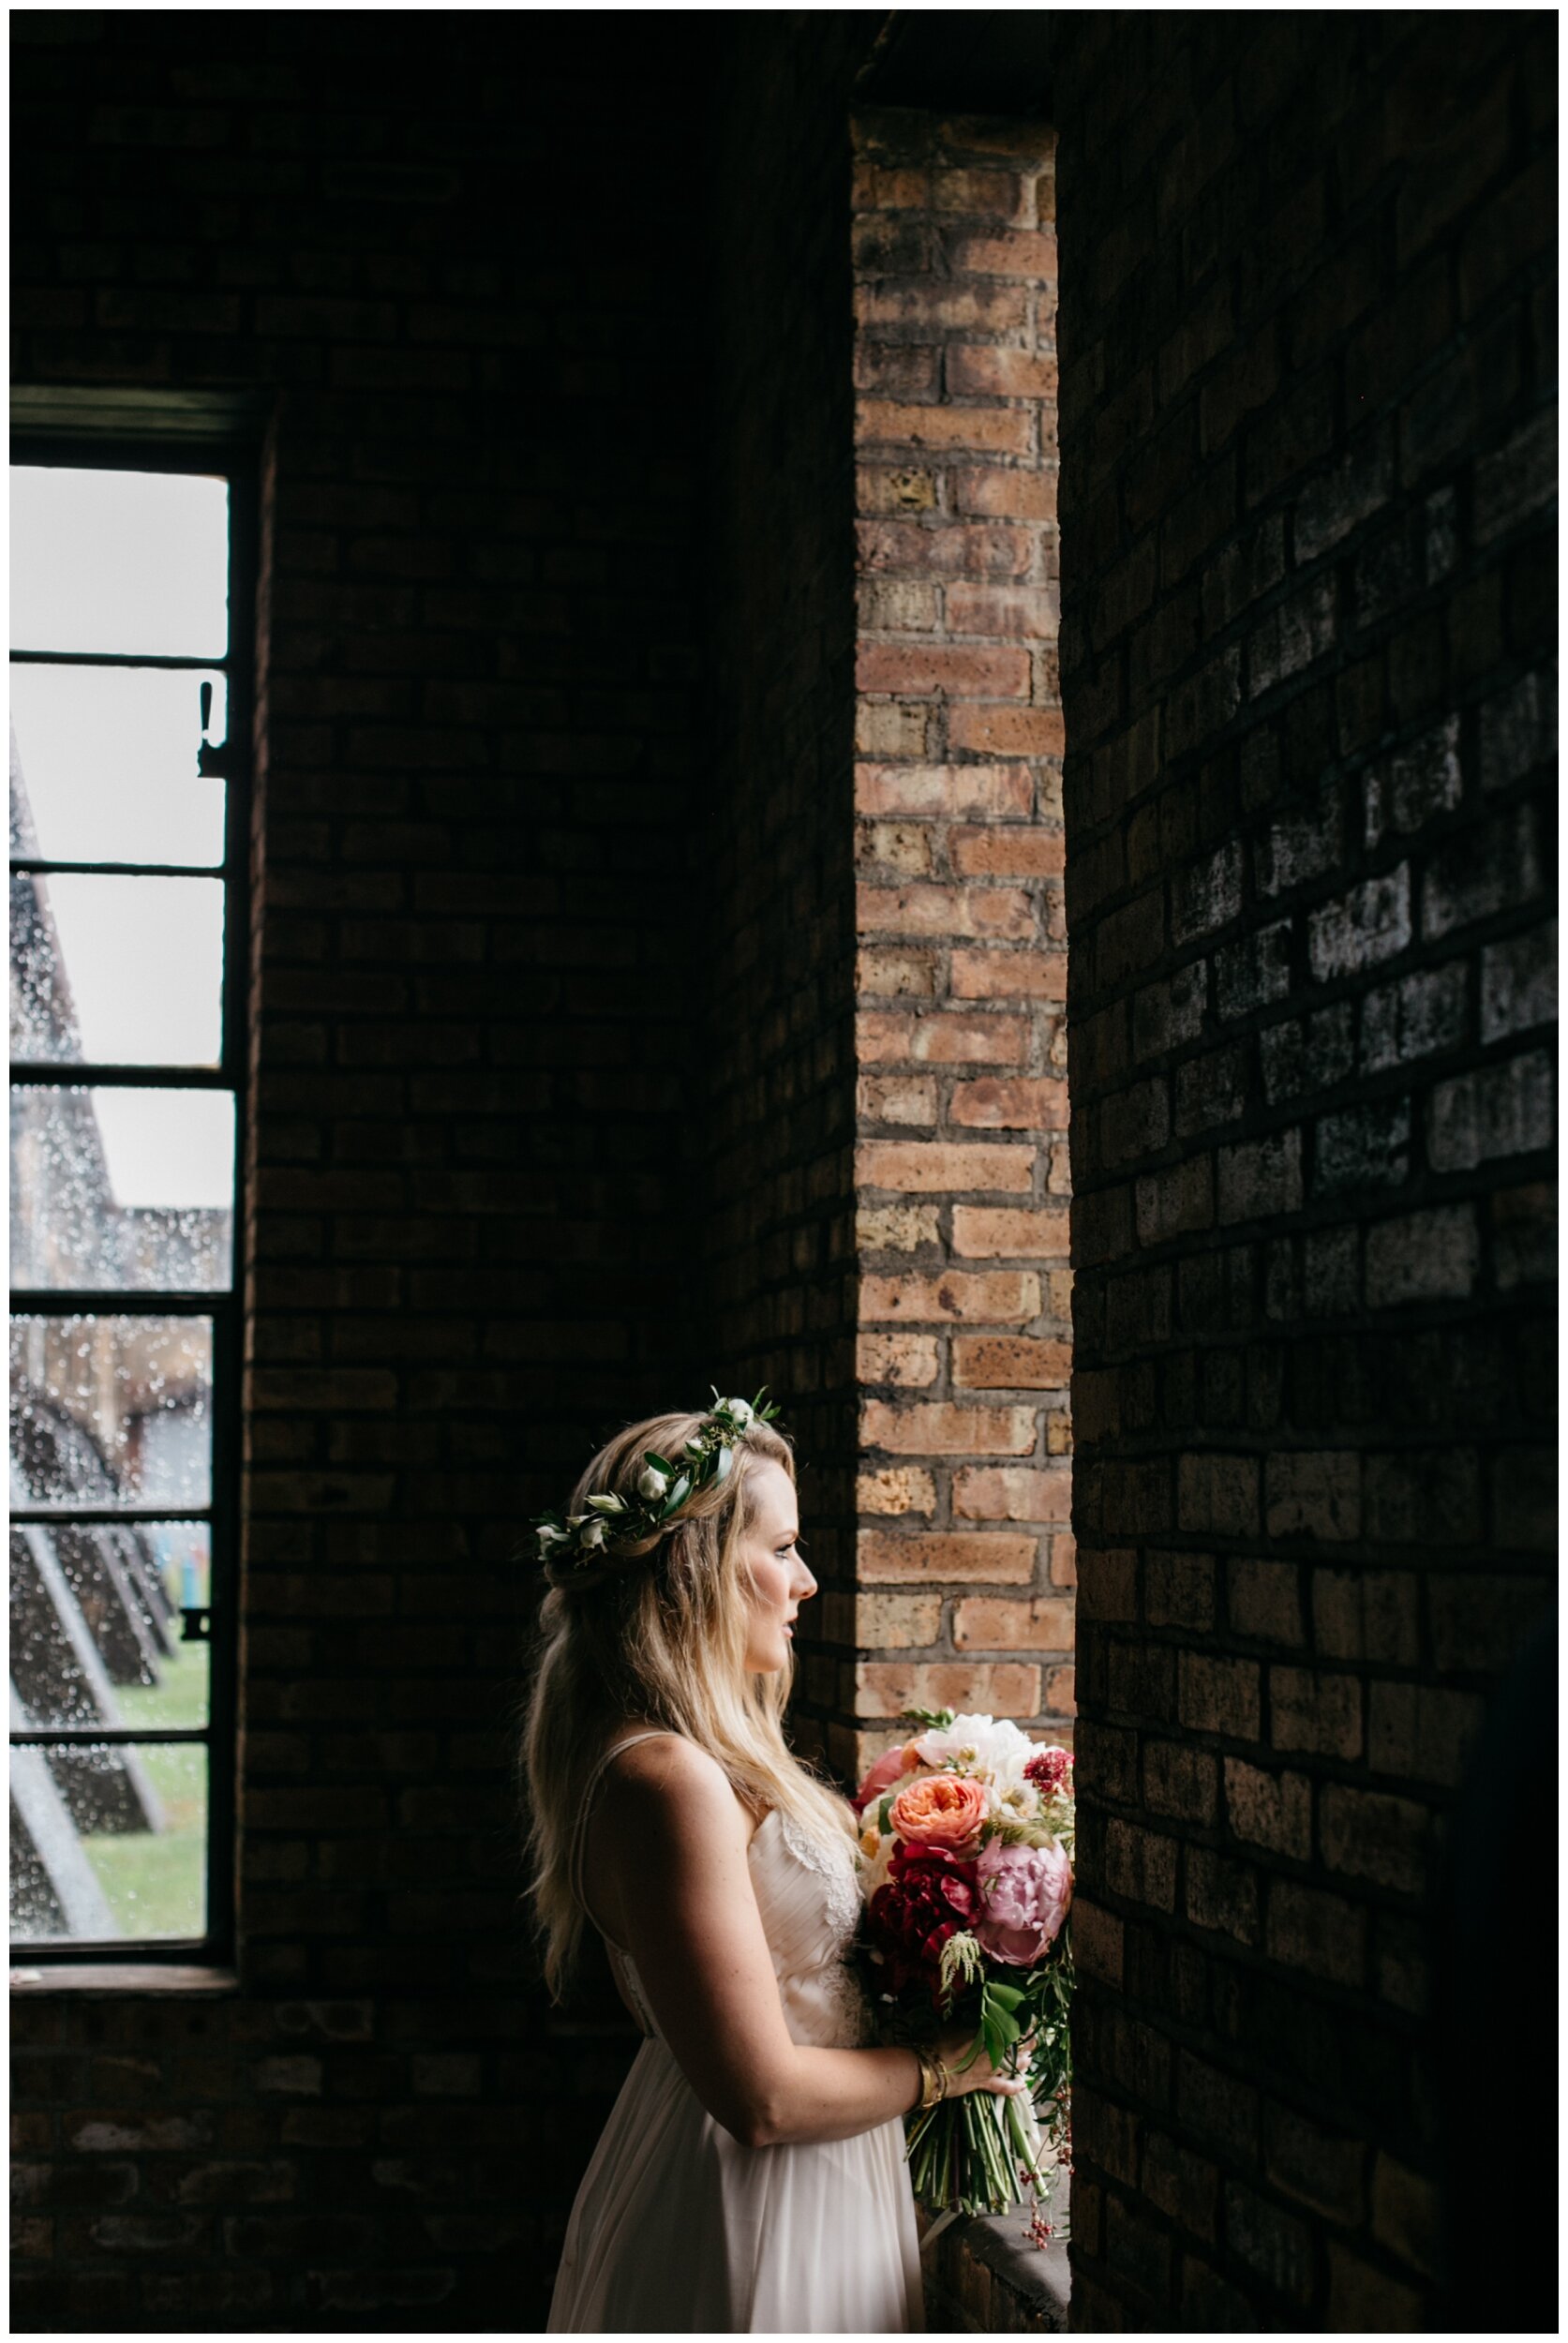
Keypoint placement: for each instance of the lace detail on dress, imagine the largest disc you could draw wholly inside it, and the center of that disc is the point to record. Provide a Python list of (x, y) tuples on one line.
[(836, 1867)]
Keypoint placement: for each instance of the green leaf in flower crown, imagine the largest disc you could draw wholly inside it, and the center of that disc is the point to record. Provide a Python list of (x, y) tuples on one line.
[(660, 1464), (722, 1464), (678, 1496)]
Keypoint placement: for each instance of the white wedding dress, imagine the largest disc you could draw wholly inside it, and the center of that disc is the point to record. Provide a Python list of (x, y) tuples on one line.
[(678, 2228)]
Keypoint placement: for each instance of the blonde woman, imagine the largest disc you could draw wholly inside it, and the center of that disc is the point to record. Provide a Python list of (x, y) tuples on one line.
[(751, 2177)]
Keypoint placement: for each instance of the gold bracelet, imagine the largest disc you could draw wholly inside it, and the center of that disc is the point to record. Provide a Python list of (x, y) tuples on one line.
[(933, 2083)]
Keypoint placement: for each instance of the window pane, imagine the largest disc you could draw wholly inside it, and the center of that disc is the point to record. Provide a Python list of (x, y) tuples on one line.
[(130, 562), (109, 1410), (107, 765), (122, 1188), (96, 1625), (116, 971), (108, 1841)]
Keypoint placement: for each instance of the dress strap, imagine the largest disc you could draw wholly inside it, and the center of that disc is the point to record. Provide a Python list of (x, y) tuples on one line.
[(585, 1808)]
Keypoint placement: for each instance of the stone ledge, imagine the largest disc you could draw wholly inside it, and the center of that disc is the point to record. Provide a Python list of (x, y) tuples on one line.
[(123, 1976), (985, 2275)]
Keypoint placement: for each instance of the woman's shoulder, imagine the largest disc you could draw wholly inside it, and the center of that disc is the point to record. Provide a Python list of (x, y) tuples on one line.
[(664, 1780)]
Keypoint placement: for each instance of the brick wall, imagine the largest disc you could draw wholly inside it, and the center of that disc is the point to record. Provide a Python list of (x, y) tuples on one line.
[(965, 1558), (1307, 315), (776, 1250), (472, 1130)]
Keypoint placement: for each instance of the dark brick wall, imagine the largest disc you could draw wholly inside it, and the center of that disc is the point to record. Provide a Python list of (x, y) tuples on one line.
[(1307, 313), (776, 828), (471, 1141)]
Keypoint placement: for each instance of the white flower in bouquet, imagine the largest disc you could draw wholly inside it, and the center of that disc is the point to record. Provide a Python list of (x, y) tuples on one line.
[(977, 1745), (1013, 1795), (876, 1853)]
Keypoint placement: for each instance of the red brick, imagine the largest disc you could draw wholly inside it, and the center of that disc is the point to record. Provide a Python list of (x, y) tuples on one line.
[(884, 1688), (955, 671), (939, 1166), (942, 790), (1014, 1493), (993, 1231), (1011, 1363), (969, 911), (994, 975), (1032, 611), (885, 1037), (1023, 496), (943, 306), (1030, 255), (993, 1296), (999, 430), (937, 1428), (978, 370), (900, 189), (1007, 852), (909, 1099), (995, 192), (1009, 731), (974, 550), (895, 1489), (910, 1360), (986, 1623), (905, 1557), (1039, 1102)]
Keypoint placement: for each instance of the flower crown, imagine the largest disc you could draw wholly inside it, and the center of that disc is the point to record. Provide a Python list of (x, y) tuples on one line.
[(574, 1541)]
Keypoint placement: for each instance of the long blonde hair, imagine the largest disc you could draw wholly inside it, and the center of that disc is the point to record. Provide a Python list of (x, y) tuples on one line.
[(660, 1636)]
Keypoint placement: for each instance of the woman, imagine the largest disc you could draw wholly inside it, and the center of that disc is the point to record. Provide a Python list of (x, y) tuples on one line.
[(751, 2178)]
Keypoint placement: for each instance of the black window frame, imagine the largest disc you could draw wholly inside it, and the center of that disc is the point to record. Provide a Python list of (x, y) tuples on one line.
[(181, 443)]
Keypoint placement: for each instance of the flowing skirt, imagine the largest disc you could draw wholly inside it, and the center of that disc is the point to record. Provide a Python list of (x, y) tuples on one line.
[(678, 2228)]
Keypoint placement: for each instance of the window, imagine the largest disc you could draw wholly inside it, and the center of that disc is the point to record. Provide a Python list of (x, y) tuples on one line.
[(129, 822)]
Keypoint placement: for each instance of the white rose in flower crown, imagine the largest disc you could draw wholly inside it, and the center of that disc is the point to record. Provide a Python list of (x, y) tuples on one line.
[(652, 1481), (593, 1534), (550, 1538), (739, 1412)]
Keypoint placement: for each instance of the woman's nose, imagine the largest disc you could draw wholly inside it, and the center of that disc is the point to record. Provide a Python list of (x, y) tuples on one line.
[(806, 1592)]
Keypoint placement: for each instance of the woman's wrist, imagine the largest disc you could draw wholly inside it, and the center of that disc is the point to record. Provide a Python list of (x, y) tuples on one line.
[(935, 2080)]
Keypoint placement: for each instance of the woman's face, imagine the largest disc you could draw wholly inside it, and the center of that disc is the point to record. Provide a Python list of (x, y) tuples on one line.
[(779, 1580)]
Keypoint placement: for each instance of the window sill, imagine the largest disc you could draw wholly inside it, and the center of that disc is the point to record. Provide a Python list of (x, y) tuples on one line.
[(124, 1977), (985, 2275)]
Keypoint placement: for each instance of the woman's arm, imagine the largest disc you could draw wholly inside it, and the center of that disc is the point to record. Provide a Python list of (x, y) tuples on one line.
[(675, 1839)]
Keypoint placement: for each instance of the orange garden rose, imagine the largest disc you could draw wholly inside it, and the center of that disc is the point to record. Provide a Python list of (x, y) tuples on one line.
[(941, 1809)]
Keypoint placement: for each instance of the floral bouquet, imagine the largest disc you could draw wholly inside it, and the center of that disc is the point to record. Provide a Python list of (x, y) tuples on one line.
[(966, 1839)]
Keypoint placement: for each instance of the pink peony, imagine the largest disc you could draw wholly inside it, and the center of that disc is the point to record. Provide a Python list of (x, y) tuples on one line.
[(890, 1767), (1025, 1893)]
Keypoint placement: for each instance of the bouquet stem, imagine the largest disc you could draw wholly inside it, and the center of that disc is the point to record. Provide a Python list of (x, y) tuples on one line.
[(967, 2155)]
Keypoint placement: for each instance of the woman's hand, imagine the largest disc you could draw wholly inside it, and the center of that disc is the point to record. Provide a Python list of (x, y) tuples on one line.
[(952, 2047)]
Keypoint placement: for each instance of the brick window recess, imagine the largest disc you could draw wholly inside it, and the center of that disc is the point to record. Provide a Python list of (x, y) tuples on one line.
[(964, 1591)]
